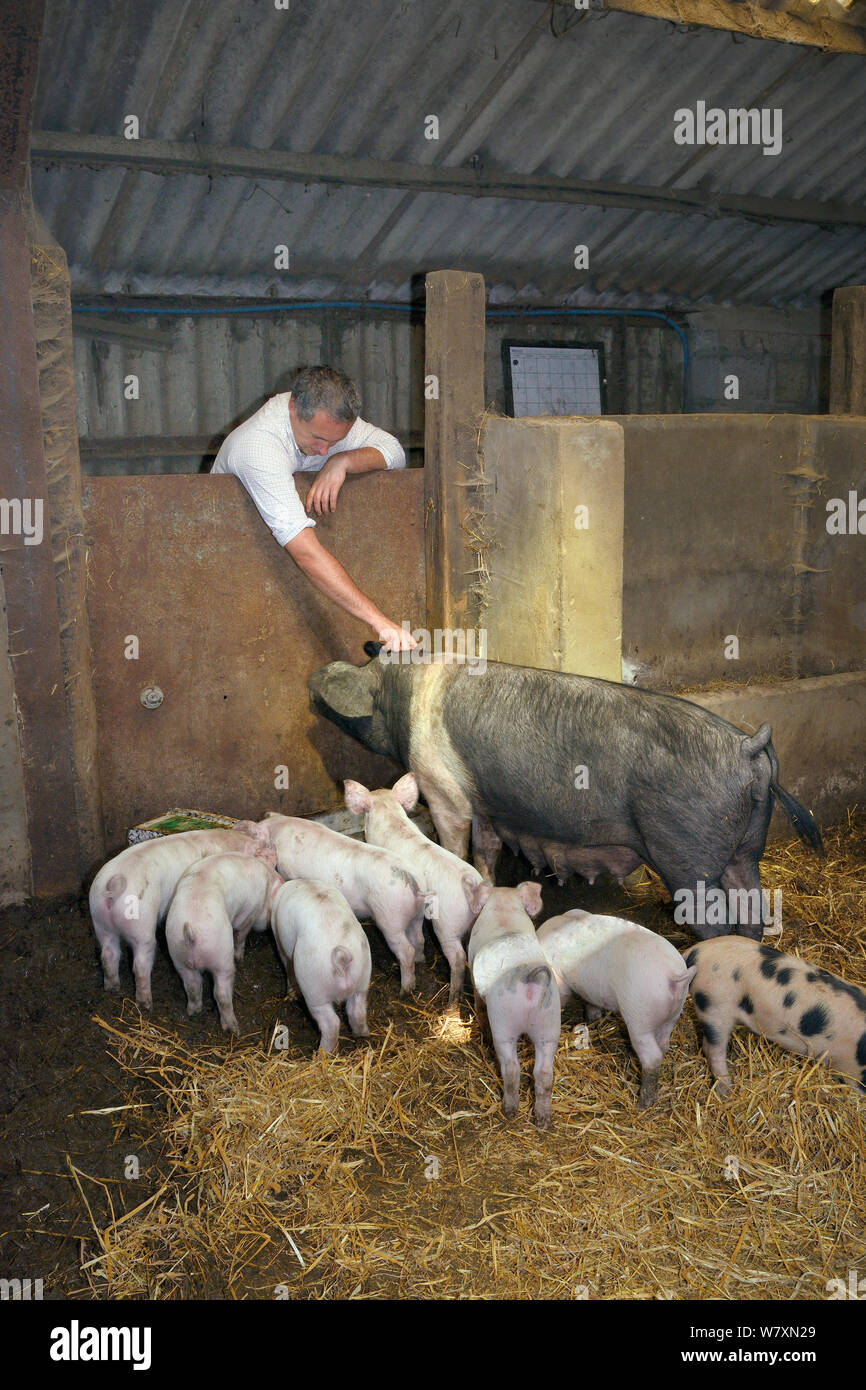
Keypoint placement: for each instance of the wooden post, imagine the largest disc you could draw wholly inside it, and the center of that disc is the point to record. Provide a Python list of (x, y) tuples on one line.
[(454, 406), (52, 318), (44, 753), (848, 357)]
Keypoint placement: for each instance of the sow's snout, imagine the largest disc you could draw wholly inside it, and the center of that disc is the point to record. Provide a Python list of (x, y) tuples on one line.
[(349, 696), (343, 690)]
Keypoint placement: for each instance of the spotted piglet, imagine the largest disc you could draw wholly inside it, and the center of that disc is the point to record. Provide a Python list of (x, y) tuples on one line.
[(784, 998), (610, 963), (513, 979)]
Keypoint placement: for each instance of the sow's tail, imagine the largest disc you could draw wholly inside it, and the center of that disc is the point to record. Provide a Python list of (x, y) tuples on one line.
[(802, 820)]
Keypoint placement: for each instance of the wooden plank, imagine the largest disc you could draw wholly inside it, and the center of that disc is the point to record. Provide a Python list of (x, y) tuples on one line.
[(230, 629), (750, 19), (149, 446), (454, 368), (848, 352), (184, 157)]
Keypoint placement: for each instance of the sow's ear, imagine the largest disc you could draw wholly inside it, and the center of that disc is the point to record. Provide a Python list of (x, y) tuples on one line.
[(406, 792), (343, 688), (529, 894), (358, 799)]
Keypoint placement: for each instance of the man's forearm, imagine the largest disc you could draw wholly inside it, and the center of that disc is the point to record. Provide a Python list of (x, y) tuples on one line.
[(327, 575), (366, 460)]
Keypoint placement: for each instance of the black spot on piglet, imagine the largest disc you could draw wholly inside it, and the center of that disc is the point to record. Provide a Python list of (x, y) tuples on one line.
[(710, 1034), (814, 1021), (861, 1050), (736, 975), (784, 976), (768, 951), (790, 999), (702, 1001), (691, 958), (746, 1005), (768, 968)]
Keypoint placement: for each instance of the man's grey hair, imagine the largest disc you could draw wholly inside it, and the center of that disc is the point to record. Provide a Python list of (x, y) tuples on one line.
[(324, 388)]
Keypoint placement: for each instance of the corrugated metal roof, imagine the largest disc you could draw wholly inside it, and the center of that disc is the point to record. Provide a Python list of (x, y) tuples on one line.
[(328, 78)]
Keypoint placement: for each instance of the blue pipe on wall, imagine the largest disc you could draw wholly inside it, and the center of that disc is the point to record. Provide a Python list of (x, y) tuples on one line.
[(291, 305)]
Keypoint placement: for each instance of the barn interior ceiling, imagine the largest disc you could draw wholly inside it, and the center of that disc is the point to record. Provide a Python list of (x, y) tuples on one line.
[(499, 138)]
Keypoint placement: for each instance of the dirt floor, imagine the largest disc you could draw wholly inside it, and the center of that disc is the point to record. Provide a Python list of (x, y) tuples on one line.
[(83, 1143)]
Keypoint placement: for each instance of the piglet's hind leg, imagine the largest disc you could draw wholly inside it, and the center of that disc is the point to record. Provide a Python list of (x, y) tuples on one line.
[(356, 1012), (505, 1044), (223, 985), (328, 1022)]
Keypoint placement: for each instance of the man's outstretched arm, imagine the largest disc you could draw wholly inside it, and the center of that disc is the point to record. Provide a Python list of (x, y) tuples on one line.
[(327, 575)]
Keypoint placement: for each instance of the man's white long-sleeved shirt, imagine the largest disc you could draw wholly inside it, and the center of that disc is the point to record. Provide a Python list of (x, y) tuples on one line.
[(264, 454)]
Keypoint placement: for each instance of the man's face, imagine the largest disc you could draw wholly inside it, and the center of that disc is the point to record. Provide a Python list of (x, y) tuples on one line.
[(320, 434)]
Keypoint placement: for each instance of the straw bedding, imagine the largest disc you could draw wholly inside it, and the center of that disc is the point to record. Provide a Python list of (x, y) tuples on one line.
[(389, 1171)]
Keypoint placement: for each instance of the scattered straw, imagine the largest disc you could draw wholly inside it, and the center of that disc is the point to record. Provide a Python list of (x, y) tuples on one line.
[(390, 1172)]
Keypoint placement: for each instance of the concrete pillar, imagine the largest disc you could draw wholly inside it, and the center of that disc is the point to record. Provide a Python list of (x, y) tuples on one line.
[(554, 513), (848, 352), (454, 405)]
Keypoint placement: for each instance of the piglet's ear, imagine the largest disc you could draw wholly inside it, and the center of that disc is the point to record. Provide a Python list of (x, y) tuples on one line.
[(476, 893), (406, 792), (530, 895), (253, 829), (358, 799)]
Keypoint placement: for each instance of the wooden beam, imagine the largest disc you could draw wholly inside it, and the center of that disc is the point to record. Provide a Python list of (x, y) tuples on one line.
[(99, 326), (848, 352), (151, 446), (454, 386), (184, 157), (748, 18)]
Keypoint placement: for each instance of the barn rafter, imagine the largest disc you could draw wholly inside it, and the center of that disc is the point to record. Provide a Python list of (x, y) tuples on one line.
[(752, 20), (167, 157)]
